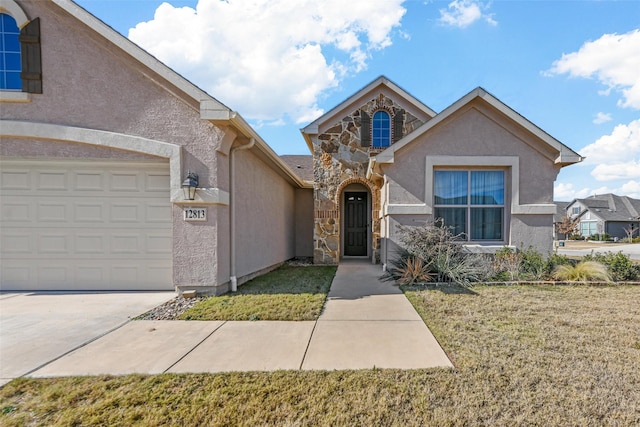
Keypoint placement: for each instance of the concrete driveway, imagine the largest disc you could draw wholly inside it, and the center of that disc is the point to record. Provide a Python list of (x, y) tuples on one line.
[(38, 327)]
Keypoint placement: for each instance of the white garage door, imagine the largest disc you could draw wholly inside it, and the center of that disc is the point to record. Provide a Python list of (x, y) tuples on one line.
[(85, 225)]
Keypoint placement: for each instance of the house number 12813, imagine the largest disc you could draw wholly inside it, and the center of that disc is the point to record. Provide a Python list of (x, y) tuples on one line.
[(195, 214)]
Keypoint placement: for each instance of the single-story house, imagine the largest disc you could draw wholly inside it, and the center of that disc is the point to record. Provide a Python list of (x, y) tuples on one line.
[(101, 143), (617, 216)]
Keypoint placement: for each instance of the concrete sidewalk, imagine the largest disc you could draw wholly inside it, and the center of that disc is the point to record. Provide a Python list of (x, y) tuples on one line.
[(366, 323)]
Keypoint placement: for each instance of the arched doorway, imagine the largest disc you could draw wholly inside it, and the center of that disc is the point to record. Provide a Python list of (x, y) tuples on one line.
[(356, 221)]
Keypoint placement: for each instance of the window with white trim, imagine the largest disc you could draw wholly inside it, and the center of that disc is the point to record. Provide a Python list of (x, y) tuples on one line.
[(471, 202)]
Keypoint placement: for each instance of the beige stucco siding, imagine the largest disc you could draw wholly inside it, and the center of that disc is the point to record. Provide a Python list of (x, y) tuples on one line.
[(89, 83), (34, 147), (476, 134), (265, 209), (471, 133)]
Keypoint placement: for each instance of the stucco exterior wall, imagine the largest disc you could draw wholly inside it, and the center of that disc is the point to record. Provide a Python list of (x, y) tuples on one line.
[(476, 132), (265, 221), (90, 83), (532, 230), (33, 147)]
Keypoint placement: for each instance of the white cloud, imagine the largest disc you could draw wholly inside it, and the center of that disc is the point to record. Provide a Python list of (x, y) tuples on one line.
[(270, 58), (462, 13), (620, 147), (566, 192), (631, 189), (614, 59), (602, 118), (616, 171)]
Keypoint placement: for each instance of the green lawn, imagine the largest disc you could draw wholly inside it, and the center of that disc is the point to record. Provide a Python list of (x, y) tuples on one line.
[(524, 355), (288, 293)]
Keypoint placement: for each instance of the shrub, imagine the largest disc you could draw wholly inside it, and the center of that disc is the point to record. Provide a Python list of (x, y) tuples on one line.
[(576, 237), (619, 265), (527, 264), (582, 272), (555, 260), (507, 263), (408, 270), (532, 264), (441, 251)]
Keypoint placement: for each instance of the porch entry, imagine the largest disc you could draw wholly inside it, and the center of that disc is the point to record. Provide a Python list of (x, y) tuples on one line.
[(355, 223)]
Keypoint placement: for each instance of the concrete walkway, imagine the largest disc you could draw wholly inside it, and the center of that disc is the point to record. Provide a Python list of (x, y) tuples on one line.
[(366, 323)]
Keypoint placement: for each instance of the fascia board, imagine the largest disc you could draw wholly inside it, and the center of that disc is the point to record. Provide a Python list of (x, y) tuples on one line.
[(380, 81), (566, 156)]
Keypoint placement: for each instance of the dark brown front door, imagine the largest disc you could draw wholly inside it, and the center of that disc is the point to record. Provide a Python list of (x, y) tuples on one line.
[(355, 225)]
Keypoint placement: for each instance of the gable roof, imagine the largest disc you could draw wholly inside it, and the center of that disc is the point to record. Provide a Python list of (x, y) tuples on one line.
[(356, 100), (209, 107), (561, 210), (611, 207), (566, 156)]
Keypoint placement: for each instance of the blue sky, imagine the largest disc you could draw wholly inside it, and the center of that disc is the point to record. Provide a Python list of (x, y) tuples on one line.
[(570, 67)]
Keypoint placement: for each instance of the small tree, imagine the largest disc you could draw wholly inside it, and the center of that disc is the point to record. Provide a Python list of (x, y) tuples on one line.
[(567, 226), (630, 231)]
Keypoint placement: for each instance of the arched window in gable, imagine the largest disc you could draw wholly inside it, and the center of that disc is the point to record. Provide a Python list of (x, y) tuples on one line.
[(381, 129), (10, 57), (20, 56)]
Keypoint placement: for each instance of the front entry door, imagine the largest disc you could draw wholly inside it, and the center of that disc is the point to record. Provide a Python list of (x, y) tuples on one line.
[(355, 225)]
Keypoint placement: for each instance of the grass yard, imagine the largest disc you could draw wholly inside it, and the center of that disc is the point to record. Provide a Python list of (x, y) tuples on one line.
[(287, 293), (564, 355)]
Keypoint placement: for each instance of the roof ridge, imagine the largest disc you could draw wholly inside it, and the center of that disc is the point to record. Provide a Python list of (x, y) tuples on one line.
[(632, 210)]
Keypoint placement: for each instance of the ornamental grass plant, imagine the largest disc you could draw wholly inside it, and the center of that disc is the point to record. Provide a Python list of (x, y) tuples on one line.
[(582, 272)]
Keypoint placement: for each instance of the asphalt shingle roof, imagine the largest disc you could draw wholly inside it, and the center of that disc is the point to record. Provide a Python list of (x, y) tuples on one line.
[(302, 165), (611, 207)]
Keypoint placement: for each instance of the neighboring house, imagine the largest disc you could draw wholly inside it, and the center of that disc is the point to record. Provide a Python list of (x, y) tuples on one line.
[(558, 217), (383, 158), (606, 214), (98, 137)]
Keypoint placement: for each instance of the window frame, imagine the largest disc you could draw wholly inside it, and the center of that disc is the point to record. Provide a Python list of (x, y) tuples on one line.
[(470, 207), (30, 53), (386, 139), (5, 37)]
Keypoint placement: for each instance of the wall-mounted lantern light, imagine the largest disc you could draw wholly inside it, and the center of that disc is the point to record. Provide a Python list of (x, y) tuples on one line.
[(189, 186)]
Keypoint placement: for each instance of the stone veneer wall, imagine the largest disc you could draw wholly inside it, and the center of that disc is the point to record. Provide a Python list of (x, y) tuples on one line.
[(340, 160)]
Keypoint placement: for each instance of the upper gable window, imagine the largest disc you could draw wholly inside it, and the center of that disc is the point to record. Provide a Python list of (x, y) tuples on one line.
[(381, 129), (10, 58)]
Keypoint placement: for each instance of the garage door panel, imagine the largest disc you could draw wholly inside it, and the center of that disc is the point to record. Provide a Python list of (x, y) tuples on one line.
[(53, 180), (156, 182), (155, 213), (88, 181), (124, 182), (16, 242), (16, 211), (19, 179), (49, 243), (88, 243), (111, 228), (89, 212), (52, 212)]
